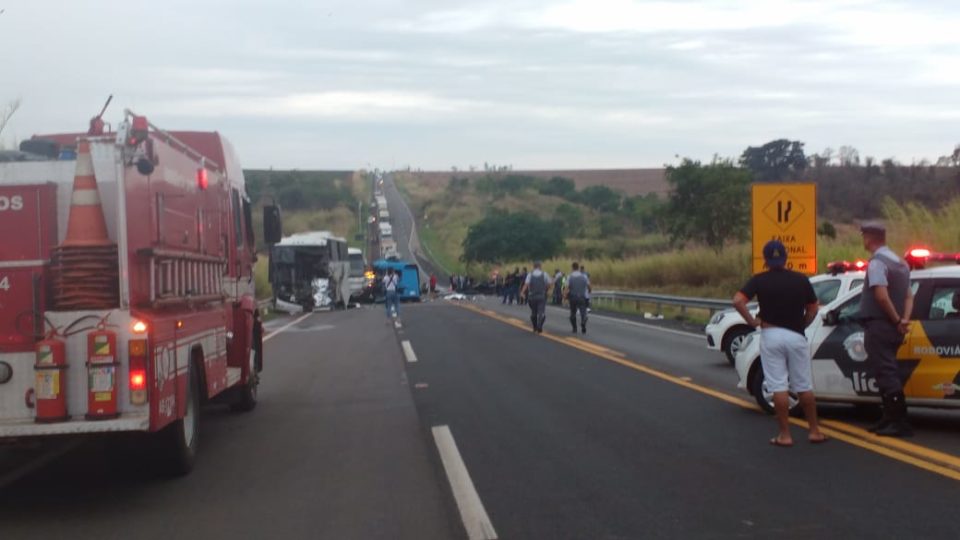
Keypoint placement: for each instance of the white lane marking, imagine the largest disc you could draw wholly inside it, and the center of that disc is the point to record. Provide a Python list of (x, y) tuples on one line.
[(474, 516), (284, 327), (641, 325), (408, 351)]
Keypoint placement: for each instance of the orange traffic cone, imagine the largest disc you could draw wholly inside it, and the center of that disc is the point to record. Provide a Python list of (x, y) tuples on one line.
[(84, 267), (86, 226)]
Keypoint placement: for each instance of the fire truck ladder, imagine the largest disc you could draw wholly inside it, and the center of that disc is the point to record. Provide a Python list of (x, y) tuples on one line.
[(181, 277)]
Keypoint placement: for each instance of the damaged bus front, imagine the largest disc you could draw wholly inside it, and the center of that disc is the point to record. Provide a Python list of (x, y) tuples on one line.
[(310, 270)]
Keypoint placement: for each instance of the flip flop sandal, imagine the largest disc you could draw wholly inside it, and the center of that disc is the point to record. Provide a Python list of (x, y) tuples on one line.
[(822, 440), (776, 442)]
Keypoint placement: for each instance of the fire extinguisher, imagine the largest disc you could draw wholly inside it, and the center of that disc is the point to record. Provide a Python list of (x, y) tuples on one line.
[(50, 390), (102, 368)]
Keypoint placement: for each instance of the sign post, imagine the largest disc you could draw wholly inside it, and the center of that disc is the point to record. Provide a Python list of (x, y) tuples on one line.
[(786, 212)]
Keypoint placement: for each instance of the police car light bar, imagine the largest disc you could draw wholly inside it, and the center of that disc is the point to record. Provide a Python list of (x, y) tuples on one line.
[(840, 267), (918, 258)]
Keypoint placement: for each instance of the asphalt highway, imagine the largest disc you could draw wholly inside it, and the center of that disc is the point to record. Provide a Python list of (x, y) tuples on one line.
[(333, 450), (464, 424), (566, 438), (405, 232)]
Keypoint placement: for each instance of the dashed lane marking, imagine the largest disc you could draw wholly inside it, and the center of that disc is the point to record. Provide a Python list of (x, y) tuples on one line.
[(474, 515), (408, 351)]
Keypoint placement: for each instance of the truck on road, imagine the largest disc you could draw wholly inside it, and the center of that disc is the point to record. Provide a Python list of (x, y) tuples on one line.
[(126, 287)]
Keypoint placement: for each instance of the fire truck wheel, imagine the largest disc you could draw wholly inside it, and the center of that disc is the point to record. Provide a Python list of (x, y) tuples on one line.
[(179, 440)]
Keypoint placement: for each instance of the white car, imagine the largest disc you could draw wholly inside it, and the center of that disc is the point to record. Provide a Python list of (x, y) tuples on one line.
[(929, 359), (727, 329)]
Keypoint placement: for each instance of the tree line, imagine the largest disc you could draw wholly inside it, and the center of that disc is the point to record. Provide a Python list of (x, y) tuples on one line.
[(709, 203), (303, 190)]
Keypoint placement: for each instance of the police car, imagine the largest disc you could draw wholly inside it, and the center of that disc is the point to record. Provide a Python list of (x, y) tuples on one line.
[(727, 329), (929, 358)]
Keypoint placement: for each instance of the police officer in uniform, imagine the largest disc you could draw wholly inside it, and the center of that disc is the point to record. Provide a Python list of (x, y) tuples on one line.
[(535, 289), (885, 308)]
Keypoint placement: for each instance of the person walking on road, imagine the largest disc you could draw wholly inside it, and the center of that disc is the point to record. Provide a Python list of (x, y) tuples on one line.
[(514, 288), (885, 308), (521, 299), (583, 269), (535, 291), (433, 284), (558, 288), (788, 305), (577, 288), (390, 282)]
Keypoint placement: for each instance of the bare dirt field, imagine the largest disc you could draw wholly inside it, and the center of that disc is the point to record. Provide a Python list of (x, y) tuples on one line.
[(628, 181)]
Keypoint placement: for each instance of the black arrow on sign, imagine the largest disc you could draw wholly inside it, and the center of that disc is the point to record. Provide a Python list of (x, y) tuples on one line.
[(783, 215)]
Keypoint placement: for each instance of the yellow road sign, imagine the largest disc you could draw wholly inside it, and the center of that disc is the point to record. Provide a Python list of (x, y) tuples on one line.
[(786, 212)]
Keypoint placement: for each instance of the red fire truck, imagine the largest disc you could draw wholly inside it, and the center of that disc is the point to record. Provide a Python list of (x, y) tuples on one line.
[(126, 286)]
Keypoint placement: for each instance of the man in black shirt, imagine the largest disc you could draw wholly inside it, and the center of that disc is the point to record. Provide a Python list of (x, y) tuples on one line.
[(787, 306)]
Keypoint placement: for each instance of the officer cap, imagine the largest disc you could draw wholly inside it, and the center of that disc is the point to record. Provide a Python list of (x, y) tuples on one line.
[(873, 227)]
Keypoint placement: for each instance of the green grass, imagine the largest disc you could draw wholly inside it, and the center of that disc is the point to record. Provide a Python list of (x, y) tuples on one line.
[(650, 263), (430, 241)]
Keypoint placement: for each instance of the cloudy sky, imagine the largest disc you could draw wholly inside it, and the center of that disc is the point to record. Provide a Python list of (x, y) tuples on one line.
[(529, 83)]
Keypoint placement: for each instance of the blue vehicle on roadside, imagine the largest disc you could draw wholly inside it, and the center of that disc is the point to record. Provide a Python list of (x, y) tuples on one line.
[(409, 288)]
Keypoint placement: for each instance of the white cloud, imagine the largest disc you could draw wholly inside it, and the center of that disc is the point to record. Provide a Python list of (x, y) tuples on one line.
[(343, 105), (590, 82)]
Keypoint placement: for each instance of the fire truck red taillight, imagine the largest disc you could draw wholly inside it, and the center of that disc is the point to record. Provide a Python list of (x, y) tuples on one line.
[(202, 179), (138, 380), (138, 371)]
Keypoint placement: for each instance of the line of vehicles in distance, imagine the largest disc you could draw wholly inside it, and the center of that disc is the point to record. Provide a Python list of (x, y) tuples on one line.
[(318, 269), (929, 358)]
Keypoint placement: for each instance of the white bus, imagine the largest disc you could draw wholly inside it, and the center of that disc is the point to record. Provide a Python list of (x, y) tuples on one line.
[(310, 270)]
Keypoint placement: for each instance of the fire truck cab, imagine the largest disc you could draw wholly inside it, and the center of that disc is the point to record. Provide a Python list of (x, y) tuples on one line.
[(126, 286)]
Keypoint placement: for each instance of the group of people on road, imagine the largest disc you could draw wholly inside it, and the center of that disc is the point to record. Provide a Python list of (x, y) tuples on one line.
[(788, 305), (508, 286), (460, 283), (575, 288)]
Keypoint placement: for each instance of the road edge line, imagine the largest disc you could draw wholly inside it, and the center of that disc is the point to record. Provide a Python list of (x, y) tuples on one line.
[(472, 513), (284, 327)]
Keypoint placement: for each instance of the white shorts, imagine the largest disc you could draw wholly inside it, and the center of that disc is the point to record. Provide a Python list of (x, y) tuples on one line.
[(785, 357)]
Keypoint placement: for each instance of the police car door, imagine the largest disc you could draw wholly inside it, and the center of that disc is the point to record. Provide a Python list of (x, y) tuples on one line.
[(934, 342), (839, 369)]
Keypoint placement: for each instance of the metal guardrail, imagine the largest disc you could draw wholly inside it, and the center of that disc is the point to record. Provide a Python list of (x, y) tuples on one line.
[(659, 300)]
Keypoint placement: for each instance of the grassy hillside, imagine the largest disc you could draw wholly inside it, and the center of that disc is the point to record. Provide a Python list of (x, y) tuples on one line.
[(445, 212), (640, 259)]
